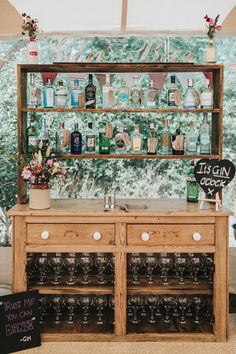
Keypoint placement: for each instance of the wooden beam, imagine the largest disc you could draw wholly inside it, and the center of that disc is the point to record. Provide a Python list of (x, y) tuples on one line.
[(124, 15)]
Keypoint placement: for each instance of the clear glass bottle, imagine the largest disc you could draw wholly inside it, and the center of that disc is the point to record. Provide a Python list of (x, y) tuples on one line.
[(90, 140), (104, 141), (120, 143), (74, 94), (191, 139), (205, 137), (61, 95), (151, 96), (48, 95), (123, 94), (165, 139), (76, 141), (172, 93), (90, 94), (136, 94), (206, 96), (136, 141), (43, 135), (191, 96), (107, 94), (32, 92), (151, 140), (192, 185), (32, 134), (60, 138), (178, 143)]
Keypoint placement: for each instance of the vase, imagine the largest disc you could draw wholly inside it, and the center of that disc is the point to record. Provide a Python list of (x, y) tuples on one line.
[(211, 51), (39, 198), (32, 51)]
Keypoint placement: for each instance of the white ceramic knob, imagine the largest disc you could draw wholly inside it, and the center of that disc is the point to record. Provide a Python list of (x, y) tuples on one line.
[(97, 236), (145, 236), (45, 235), (197, 236)]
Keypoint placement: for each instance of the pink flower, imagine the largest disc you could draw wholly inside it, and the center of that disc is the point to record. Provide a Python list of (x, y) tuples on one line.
[(50, 162), (32, 179), (63, 172), (24, 14), (211, 22), (218, 28), (26, 173)]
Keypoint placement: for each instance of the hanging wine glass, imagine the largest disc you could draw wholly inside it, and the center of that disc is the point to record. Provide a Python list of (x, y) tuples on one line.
[(183, 305), (181, 263), (135, 262), (143, 312), (71, 263), (195, 263), (57, 304), (101, 262), (210, 268), (112, 266), (165, 263), (30, 266), (85, 301), (41, 262), (150, 262), (151, 301), (134, 302), (158, 306), (112, 306), (100, 303), (196, 300), (56, 262), (71, 302), (167, 303), (175, 306), (85, 261), (43, 308)]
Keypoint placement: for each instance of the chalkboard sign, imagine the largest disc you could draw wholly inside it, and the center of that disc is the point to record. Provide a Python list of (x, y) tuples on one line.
[(19, 322), (214, 175)]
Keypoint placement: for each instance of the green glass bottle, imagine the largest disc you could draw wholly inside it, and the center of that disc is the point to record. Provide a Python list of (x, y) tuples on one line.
[(104, 141), (192, 186), (32, 134)]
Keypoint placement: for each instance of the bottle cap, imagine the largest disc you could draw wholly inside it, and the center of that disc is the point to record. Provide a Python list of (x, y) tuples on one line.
[(108, 78), (76, 126), (48, 80), (76, 82), (165, 122), (121, 128), (90, 77), (90, 125), (192, 124), (62, 125), (190, 82), (172, 79), (152, 126), (60, 83), (178, 130), (151, 83)]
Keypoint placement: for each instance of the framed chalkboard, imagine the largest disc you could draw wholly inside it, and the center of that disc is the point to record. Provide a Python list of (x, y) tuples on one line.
[(19, 322)]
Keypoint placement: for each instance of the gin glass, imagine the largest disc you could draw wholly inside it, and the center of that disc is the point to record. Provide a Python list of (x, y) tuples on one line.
[(71, 302), (41, 262), (135, 262), (71, 263), (56, 262), (101, 262), (181, 263), (100, 302), (85, 301), (150, 262), (85, 261), (165, 263)]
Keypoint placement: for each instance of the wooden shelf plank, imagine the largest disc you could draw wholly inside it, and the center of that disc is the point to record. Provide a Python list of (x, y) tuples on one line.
[(60, 289), (136, 156), (169, 291)]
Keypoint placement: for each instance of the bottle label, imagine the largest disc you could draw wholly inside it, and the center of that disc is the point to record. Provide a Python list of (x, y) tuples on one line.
[(136, 144), (60, 100), (123, 97), (171, 98), (165, 141), (49, 97), (120, 144), (135, 97), (178, 143), (90, 97), (33, 140), (206, 99), (90, 142), (75, 98), (205, 139), (152, 145)]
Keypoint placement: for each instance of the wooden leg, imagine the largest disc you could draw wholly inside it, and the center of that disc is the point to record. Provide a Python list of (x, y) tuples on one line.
[(19, 255)]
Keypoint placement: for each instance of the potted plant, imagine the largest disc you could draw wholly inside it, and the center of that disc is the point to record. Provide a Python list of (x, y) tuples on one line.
[(40, 169), (212, 29), (30, 28)]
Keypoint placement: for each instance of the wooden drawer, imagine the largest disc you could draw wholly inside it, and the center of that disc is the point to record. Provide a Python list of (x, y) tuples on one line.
[(57, 234), (151, 235)]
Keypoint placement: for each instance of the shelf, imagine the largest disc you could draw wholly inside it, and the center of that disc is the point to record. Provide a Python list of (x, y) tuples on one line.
[(135, 156), (130, 110), (66, 289)]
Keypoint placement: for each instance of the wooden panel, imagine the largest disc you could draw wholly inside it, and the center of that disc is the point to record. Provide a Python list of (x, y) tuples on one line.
[(19, 255), (170, 234), (221, 280), (59, 289), (70, 234), (120, 294), (140, 156)]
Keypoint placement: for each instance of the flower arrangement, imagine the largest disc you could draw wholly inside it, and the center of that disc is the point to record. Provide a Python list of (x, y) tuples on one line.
[(212, 26), (29, 26), (42, 167)]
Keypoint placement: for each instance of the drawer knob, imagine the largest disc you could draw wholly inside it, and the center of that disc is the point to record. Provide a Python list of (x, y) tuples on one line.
[(145, 236), (45, 235), (97, 236), (197, 236)]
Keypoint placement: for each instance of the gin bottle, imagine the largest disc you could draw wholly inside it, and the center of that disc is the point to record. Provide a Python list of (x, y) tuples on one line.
[(60, 138), (104, 140), (192, 185), (151, 96), (136, 141), (123, 96), (120, 143), (172, 93), (136, 94), (76, 141), (206, 96), (48, 95), (165, 139), (151, 140), (75, 94), (43, 135), (191, 140), (90, 140), (177, 143), (61, 95), (107, 94), (205, 140), (32, 92), (191, 96), (32, 134), (90, 94)]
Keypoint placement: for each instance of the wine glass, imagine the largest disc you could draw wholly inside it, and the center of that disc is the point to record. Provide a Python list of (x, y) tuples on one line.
[(41, 262), (71, 302), (85, 261), (165, 263), (135, 262), (43, 308), (101, 261), (112, 265), (181, 263), (183, 305), (150, 261), (30, 266), (143, 306), (112, 306), (85, 301), (57, 304), (56, 262), (196, 300), (100, 303), (175, 307), (134, 302), (71, 263), (167, 302), (195, 262), (210, 268), (158, 306), (151, 301)]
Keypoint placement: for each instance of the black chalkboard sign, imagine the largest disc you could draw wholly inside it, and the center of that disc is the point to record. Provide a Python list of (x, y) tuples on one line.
[(19, 322), (214, 175)]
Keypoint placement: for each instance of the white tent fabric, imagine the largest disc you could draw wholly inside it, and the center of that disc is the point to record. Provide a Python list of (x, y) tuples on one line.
[(125, 16)]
